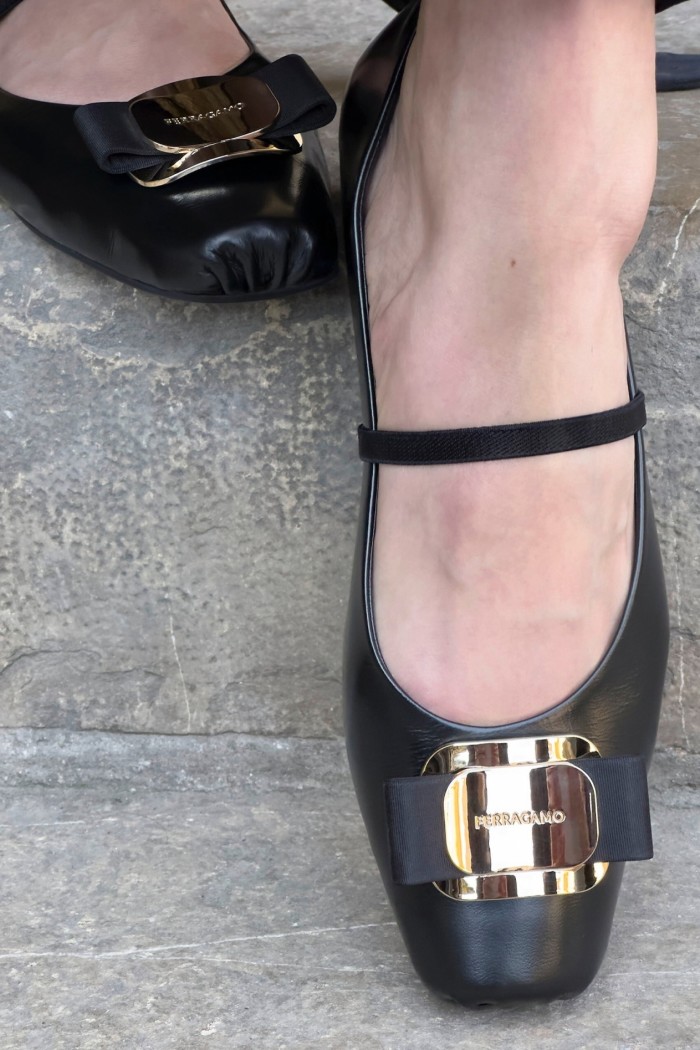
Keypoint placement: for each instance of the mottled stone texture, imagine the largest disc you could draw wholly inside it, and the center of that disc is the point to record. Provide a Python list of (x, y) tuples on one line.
[(178, 506), (177, 892), (182, 861), (179, 483)]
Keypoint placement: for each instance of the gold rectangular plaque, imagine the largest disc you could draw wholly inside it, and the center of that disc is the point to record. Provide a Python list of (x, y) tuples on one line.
[(520, 819)]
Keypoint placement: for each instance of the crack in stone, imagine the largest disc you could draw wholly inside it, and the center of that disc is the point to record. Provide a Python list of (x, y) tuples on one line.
[(86, 823), (127, 734), (257, 967), (680, 635), (663, 287), (157, 949), (114, 360), (185, 692), (56, 824), (28, 654)]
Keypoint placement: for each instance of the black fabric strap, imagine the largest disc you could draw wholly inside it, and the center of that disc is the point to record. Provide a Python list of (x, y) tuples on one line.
[(415, 819), (119, 146), (677, 72), (512, 441), (305, 103)]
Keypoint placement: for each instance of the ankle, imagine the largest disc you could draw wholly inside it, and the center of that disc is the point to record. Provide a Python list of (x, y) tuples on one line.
[(522, 345), (578, 194), (534, 275), (576, 166)]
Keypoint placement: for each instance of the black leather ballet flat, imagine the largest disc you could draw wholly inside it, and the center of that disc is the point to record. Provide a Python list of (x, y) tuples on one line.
[(212, 190), (501, 849)]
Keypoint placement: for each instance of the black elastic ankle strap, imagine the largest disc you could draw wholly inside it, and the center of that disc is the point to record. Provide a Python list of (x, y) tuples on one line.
[(512, 441)]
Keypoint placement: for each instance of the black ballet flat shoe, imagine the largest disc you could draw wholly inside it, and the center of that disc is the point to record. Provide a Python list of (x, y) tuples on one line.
[(212, 189), (501, 849), (673, 72)]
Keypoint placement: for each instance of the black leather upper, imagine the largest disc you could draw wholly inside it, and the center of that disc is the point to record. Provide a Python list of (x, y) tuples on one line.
[(250, 227), (481, 951)]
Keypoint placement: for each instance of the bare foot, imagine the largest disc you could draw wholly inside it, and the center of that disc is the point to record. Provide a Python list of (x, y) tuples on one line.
[(525, 158), (83, 51)]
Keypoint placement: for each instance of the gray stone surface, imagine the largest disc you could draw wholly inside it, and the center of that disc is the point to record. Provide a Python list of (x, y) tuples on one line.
[(179, 482), (167, 893), (178, 507), (181, 856)]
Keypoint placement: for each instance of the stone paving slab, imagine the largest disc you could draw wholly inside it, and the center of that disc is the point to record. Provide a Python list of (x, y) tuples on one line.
[(167, 893), (177, 493)]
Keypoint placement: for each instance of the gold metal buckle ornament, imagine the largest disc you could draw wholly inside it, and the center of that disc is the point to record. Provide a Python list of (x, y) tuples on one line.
[(520, 819), (199, 122)]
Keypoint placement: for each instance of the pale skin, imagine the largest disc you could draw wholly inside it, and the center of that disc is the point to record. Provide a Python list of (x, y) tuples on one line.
[(523, 150), (79, 51)]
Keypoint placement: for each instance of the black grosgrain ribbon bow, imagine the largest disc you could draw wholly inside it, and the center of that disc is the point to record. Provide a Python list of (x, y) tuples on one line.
[(275, 101), (416, 819)]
